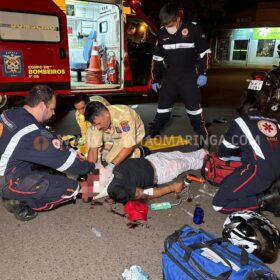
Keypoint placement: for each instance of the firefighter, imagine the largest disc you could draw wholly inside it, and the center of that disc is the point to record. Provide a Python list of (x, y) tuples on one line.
[(30, 155), (116, 123), (256, 135), (180, 61), (134, 178), (80, 103)]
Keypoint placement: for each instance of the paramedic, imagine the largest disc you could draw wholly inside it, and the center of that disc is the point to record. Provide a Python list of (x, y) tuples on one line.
[(28, 152), (80, 103), (116, 123), (180, 61), (256, 134)]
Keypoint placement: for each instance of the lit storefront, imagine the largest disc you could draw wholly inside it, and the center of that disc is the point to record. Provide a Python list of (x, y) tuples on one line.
[(246, 46)]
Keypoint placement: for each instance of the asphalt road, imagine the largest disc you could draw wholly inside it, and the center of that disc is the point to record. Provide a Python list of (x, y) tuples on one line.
[(76, 242)]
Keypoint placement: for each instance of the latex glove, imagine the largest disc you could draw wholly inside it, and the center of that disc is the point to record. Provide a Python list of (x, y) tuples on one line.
[(105, 175), (155, 87), (201, 80)]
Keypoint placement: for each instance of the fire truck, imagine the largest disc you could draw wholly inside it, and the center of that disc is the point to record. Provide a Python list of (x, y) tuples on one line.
[(92, 47)]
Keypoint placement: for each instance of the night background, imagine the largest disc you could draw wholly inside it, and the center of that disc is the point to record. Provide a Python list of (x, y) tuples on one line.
[(208, 13)]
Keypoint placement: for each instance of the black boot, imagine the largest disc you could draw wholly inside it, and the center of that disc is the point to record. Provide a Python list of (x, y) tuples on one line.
[(20, 210), (270, 202)]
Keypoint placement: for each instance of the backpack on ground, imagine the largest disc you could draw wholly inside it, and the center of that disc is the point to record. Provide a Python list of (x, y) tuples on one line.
[(196, 254), (215, 170)]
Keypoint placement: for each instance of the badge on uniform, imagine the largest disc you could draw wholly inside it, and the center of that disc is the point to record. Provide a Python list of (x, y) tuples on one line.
[(118, 130), (125, 126), (185, 32), (267, 128)]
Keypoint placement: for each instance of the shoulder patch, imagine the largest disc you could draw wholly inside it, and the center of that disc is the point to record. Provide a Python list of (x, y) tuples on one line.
[(40, 143), (267, 128), (125, 126), (8, 123)]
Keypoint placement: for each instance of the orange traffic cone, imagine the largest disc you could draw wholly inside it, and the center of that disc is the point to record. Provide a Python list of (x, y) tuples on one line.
[(94, 72)]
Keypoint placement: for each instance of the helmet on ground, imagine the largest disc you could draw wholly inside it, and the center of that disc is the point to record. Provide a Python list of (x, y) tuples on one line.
[(255, 233)]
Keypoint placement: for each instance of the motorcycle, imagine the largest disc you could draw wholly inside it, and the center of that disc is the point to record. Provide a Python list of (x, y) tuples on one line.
[(267, 82)]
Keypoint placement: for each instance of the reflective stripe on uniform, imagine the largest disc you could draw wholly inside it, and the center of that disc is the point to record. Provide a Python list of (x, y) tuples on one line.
[(70, 160), (217, 208), (162, 111), (203, 53), (157, 58), (12, 146), (229, 145), (196, 112), (250, 137), (178, 46)]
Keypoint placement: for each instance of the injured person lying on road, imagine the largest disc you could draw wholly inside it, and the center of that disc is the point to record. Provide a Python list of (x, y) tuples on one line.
[(138, 178)]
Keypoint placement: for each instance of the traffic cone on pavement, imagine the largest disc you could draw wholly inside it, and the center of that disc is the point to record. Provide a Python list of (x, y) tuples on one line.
[(94, 72)]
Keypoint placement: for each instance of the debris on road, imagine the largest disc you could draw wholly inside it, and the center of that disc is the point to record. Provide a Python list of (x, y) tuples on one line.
[(96, 232), (135, 272)]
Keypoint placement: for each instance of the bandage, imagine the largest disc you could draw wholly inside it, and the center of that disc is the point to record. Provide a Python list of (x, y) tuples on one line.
[(149, 191)]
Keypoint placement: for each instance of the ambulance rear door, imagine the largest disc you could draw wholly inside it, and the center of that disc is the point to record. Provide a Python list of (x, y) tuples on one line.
[(95, 48)]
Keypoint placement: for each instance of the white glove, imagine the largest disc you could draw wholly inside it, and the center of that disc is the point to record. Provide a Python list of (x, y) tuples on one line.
[(105, 175)]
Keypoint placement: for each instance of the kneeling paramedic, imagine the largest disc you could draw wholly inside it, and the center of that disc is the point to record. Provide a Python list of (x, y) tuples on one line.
[(33, 160), (256, 134)]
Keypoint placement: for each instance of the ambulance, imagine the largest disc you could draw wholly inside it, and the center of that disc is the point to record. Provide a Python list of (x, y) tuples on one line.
[(92, 47)]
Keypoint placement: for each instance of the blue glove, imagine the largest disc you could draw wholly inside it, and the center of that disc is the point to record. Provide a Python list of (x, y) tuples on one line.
[(201, 80), (155, 87)]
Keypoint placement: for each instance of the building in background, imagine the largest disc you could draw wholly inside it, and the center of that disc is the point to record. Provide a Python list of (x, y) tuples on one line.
[(251, 40)]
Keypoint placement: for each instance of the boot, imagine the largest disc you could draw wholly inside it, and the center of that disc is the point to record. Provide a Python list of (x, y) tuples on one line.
[(270, 202), (20, 210)]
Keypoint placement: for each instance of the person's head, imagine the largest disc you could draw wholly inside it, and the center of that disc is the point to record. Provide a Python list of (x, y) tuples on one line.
[(80, 102), (40, 101), (169, 17), (131, 28), (97, 114)]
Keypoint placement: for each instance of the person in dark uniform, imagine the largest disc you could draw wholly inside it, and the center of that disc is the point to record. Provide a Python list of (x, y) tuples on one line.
[(28, 152), (255, 134), (180, 61)]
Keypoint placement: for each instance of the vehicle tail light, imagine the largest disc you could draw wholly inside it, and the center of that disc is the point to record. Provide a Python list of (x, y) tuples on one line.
[(258, 76)]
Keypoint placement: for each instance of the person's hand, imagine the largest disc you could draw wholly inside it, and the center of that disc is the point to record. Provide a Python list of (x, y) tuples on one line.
[(202, 80), (99, 165), (155, 87), (105, 175)]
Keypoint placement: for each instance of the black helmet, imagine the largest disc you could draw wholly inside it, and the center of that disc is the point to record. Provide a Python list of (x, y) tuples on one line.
[(255, 233)]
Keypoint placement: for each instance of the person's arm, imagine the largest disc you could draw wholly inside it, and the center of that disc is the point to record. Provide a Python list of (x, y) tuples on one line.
[(157, 63), (43, 148), (94, 140), (203, 51), (231, 141), (158, 192), (92, 155), (122, 155)]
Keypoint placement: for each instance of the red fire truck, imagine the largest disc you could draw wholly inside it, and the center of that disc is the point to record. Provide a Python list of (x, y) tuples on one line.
[(92, 47)]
